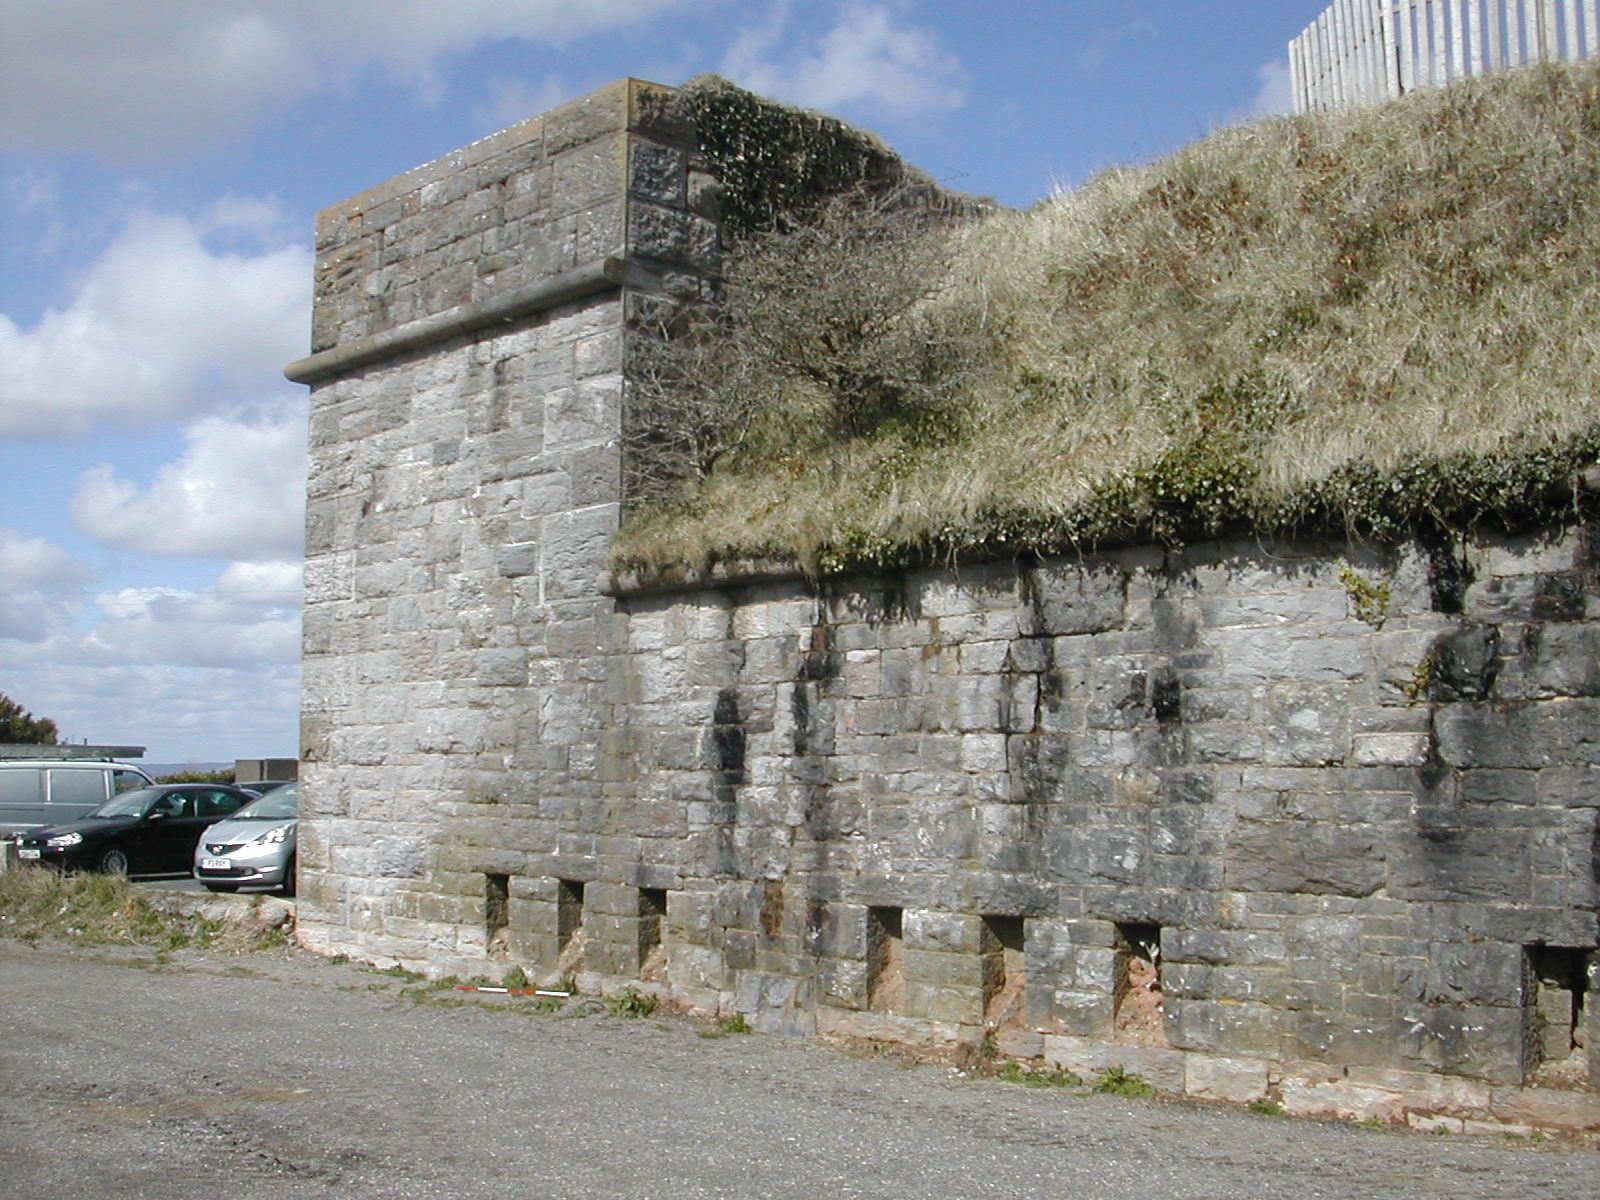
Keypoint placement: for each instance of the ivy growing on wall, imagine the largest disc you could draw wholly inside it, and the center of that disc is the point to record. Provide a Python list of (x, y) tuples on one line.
[(775, 162)]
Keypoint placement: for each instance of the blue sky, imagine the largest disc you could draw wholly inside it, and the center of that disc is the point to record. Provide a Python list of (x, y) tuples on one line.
[(161, 164)]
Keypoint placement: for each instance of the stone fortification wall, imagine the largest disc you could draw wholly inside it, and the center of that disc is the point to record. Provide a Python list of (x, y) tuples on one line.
[(1302, 821)]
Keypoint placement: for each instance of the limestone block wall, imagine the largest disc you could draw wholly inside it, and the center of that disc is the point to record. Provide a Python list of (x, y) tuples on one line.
[(1307, 821), (470, 329), (1300, 819)]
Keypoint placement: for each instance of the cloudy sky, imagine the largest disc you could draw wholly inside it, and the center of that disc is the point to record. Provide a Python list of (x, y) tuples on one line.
[(161, 164)]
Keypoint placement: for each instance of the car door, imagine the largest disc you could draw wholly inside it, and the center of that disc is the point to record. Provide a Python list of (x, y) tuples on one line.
[(152, 844)]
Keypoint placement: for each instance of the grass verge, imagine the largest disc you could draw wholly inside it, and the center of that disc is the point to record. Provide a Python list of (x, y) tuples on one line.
[(36, 902)]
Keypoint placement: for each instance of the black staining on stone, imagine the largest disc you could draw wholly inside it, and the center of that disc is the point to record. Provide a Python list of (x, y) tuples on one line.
[(728, 742), (821, 663), (1052, 688), (1586, 556), (800, 714), (1464, 663), (1032, 596), (1449, 573), (816, 936), (895, 604), (728, 737), (1187, 787), (500, 391), (823, 820), (1560, 597), (771, 908), (1039, 769), (1175, 626), (1166, 696)]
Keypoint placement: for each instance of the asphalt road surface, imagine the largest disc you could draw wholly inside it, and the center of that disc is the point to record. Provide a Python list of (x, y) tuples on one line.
[(284, 1076)]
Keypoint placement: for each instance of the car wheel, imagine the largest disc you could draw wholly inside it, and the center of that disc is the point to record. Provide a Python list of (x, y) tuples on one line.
[(114, 862), (289, 878), (220, 887)]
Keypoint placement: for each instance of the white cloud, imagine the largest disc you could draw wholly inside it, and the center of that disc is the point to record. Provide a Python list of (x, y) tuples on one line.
[(1274, 92), (280, 583), (867, 60), (31, 189), (182, 713), (27, 561), (161, 326), (209, 673), (159, 77), (211, 628), (34, 575), (238, 490)]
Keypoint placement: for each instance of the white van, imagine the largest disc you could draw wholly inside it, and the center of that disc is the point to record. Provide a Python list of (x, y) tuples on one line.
[(35, 792)]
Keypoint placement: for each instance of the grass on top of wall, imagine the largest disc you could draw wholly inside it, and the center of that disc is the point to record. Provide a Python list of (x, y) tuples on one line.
[(1366, 322)]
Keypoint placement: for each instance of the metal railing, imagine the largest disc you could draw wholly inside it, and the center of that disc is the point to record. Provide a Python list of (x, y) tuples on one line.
[(1367, 51)]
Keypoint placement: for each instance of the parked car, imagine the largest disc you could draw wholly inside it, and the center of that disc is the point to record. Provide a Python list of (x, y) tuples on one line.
[(253, 847), (47, 791), (147, 831)]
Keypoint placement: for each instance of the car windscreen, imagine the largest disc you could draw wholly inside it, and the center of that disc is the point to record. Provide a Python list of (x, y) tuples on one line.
[(128, 804), (280, 805)]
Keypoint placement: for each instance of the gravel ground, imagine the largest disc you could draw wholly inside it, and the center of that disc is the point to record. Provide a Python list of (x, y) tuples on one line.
[(287, 1076)]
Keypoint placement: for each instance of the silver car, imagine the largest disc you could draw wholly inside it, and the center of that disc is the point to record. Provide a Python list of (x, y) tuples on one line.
[(252, 848)]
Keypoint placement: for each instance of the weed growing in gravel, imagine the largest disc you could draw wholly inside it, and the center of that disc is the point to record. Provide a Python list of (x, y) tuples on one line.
[(1266, 1108), (1117, 1082), (1041, 1077), (631, 1002)]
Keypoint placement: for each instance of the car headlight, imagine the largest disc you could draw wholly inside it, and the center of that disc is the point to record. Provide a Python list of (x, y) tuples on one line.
[(273, 836), (65, 840)]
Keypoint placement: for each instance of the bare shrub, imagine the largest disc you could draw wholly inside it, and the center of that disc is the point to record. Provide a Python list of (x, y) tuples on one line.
[(824, 332)]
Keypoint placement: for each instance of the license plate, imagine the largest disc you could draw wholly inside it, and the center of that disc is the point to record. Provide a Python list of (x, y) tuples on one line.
[(215, 864), (28, 852)]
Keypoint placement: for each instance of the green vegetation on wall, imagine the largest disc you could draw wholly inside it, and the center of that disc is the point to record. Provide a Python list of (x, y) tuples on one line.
[(1375, 322), (774, 161)]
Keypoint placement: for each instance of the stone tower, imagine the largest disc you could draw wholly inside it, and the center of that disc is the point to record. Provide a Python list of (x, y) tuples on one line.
[(467, 393)]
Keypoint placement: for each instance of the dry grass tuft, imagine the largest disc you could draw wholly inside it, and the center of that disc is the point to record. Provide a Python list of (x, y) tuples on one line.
[(1366, 320)]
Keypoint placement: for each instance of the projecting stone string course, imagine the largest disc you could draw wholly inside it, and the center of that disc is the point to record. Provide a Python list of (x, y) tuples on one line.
[(1299, 821)]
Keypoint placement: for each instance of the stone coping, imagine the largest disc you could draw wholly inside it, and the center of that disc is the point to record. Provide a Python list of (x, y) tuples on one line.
[(576, 283), (629, 584)]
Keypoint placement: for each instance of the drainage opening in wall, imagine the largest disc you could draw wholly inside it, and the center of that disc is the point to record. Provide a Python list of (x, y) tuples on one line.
[(1001, 945), (496, 913), (569, 925), (1137, 985), (1555, 1015), (886, 954), (652, 935)]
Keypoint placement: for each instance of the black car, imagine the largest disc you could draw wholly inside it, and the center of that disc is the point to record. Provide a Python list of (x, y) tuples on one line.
[(147, 831)]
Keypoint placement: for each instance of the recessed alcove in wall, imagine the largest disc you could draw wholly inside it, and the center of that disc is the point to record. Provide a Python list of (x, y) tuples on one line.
[(1555, 1015), (1002, 947), (1137, 985), (886, 949), (496, 912), (652, 934), (569, 923)]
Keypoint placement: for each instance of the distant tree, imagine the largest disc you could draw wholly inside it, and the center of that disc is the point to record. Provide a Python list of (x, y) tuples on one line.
[(17, 724)]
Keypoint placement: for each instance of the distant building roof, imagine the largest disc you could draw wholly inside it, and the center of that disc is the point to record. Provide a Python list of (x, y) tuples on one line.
[(68, 753)]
